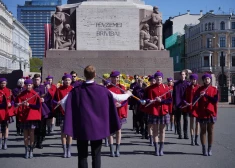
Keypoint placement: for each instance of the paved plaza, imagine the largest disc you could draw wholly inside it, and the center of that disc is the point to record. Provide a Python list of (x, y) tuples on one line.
[(135, 152)]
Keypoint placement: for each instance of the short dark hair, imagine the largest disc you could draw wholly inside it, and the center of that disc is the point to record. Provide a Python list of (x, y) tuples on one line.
[(37, 76), (89, 72), (73, 72), (186, 72), (136, 75)]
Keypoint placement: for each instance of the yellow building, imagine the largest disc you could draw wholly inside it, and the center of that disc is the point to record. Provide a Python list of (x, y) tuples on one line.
[(207, 41)]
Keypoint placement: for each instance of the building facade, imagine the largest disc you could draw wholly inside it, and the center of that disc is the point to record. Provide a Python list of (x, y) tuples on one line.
[(21, 51), (14, 43), (33, 15), (173, 36), (207, 42)]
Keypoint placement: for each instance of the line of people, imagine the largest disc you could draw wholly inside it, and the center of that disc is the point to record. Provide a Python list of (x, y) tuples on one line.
[(87, 111)]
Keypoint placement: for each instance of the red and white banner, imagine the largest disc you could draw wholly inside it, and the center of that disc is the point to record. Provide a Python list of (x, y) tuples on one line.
[(47, 28)]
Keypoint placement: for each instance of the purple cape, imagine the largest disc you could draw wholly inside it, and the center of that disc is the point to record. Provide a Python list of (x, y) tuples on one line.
[(90, 113)]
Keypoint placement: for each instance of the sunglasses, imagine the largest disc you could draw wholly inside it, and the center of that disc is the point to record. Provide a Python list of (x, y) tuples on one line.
[(74, 76)]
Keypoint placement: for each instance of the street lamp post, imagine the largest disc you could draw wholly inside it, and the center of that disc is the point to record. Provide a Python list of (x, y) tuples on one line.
[(222, 64)]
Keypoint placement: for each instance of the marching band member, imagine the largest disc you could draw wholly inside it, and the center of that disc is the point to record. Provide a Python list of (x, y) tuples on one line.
[(158, 95), (189, 94), (74, 82), (51, 90), (40, 131), (29, 113), (132, 102), (20, 88), (206, 98), (172, 122), (10, 111), (142, 123), (122, 111), (152, 81), (59, 113), (179, 89), (91, 115)]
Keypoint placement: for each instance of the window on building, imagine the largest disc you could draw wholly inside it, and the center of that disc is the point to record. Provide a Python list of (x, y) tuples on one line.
[(177, 60), (222, 25), (206, 27), (206, 61), (233, 25), (233, 41), (209, 26), (233, 60), (222, 41), (209, 42), (212, 26)]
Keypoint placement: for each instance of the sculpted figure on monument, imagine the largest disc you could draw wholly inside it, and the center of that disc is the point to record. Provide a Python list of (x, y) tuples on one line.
[(67, 40), (155, 24), (58, 20), (147, 42)]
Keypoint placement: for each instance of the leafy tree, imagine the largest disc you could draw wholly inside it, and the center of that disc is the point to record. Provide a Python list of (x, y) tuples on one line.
[(35, 64)]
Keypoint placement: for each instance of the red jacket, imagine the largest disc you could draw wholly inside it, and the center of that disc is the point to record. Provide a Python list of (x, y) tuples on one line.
[(157, 108), (28, 113), (122, 111), (10, 99), (189, 94), (3, 111), (52, 90), (61, 92), (206, 107)]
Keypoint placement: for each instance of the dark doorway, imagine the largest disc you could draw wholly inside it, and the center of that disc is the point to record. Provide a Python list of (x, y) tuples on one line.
[(220, 80)]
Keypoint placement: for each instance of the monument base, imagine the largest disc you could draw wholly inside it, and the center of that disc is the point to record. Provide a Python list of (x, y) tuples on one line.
[(57, 62)]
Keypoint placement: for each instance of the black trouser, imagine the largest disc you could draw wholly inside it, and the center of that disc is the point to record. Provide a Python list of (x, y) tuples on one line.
[(82, 147), (18, 129), (178, 114), (40, 132)]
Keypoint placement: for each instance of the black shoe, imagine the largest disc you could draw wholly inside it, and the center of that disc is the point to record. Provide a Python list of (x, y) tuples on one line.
[(40, 146), (180, 137), (17, 134), (186, 137)]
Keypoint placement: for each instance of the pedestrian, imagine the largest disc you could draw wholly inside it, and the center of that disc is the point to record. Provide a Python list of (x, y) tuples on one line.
[(91, 115), (29, 113), (206, 112)]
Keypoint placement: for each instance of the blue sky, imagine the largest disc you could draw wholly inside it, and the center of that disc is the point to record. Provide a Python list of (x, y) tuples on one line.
[(167, 7)]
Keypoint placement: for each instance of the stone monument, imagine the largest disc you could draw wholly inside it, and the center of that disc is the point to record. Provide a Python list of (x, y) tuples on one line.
[(124, 35)]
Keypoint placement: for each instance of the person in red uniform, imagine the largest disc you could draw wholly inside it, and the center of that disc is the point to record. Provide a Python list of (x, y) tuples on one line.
[(10, 110), (170, 84), (122, 111), (3, 116), (52, 91), (158, 94), (152, 81), (189, 94), (59, 113), (206, 112), (29, 114)]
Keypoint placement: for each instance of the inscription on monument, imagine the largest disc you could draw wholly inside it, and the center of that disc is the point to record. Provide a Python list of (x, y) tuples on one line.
[(108, 29)]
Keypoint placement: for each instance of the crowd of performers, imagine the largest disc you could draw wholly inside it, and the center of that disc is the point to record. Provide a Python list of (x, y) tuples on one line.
[(88, 111)]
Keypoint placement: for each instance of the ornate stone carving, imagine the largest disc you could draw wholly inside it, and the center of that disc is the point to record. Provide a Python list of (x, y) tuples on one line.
[(63, 36), (155, 29)]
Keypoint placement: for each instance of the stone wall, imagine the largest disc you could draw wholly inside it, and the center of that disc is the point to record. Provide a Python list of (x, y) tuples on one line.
[(128, 62)]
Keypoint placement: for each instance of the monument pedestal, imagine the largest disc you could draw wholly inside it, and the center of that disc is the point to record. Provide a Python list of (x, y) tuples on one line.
[(129, 62)]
